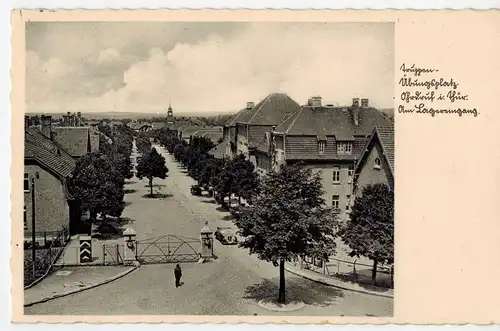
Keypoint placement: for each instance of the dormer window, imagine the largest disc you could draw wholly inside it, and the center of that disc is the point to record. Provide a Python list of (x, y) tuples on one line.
[(344, 147), (321, 147)]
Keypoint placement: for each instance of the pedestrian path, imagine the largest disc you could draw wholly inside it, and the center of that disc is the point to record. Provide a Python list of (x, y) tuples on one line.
[(71, 280), (294, 268)]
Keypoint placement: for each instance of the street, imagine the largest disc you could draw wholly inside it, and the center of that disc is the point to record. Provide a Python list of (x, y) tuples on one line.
[(230, 285)]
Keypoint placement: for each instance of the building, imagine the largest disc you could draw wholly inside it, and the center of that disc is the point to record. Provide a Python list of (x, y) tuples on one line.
[(213, 133), (47, 166), (78, 140), (376, 163), (251, 125), (140, 126), (229, 130), (170, 115), (328, 138)]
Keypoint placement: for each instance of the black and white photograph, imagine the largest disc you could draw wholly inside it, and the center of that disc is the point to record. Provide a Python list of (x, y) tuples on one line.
[(209, 168)]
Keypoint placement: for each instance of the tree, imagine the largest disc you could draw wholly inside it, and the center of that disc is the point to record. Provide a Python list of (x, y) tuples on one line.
[(245, 183), (98, 185), (152, 165), (288, 219), (122, 165), (370, 230), (143, 143)]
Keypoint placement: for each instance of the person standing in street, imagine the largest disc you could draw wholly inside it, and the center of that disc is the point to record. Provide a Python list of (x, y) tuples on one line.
[(178, 275)]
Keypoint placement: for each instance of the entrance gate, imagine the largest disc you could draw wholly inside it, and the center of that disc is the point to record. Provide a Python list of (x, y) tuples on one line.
[(168, 249)]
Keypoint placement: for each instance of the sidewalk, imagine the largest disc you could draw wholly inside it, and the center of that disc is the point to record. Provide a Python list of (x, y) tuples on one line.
[(335, 282), (67, 281)]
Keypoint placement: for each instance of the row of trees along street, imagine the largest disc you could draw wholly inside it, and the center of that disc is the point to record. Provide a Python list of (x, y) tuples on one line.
[(99, 177), (285, 216)]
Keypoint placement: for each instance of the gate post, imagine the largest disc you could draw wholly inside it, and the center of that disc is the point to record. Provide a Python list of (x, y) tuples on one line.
[(207, 249), (130, 247)]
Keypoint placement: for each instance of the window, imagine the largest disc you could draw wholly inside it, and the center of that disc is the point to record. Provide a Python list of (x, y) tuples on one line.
[(26, 182), (344, 147), (321, 147), (348, 198), (377, 163), (336, 176), (335, 201), (25, 219)]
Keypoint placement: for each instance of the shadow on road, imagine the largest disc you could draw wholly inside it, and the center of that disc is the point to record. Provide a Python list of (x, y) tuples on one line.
[(296, 289), (130, 182), (212, 201), (155, 185), (157, 196), (129, 190), (227, 218), (127, 203)]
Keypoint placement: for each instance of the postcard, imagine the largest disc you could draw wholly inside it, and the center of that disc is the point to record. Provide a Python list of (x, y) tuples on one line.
[(255, 166)]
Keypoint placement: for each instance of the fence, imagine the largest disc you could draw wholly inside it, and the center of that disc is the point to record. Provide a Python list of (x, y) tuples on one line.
[(102, 254), (45, 239), (351, 271), (48, 247)]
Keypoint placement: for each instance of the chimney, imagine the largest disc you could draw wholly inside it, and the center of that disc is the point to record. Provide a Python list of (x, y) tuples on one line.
[(364, 103), (250, 105), (47, 126), (315, 102), (355, 102), (27, 123), (34, 120)]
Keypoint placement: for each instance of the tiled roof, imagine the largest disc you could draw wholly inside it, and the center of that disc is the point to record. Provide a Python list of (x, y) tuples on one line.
[(218, 151), (270, 111), (189, 130), (332, 121), (386, 136), (238, 116), (159, 125), (137, 125), (48, 153), (75, 140)]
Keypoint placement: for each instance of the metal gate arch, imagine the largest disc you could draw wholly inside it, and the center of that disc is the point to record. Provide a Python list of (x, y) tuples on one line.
[(167, 249)]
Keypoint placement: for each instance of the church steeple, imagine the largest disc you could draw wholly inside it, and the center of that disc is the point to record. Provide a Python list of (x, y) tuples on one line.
[(170, 114)]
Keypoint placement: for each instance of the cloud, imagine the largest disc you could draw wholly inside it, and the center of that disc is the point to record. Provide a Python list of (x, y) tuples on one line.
[(223, 71), (108, 55)]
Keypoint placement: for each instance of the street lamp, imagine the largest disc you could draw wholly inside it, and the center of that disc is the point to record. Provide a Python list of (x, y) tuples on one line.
[(33, 234)]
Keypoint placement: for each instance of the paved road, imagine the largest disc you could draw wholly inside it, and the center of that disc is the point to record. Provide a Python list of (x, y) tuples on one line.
[(232, 285)]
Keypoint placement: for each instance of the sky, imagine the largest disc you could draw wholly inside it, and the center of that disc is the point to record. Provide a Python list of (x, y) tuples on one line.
[(204, 66)]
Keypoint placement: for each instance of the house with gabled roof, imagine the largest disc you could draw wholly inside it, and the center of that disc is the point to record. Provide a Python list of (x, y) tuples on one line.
[(229, 130), (213, 133), (77, 141), (328, 138), (251, 126), (376, 162), (47, 167)]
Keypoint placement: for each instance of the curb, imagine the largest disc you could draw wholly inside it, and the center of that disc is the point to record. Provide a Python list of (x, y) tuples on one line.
[(303, 275), (81, 289)]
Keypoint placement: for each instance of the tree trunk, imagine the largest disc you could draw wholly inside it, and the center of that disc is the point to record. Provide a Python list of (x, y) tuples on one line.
[(281, 294), (239, 200), (374, 272), (151, 186)]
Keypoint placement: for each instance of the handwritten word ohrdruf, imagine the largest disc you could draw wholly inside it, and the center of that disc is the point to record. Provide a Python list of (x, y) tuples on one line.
[(422, 90)]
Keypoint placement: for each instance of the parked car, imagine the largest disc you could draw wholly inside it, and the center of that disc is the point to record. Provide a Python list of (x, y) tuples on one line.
[(226, 236), (196, 190)]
